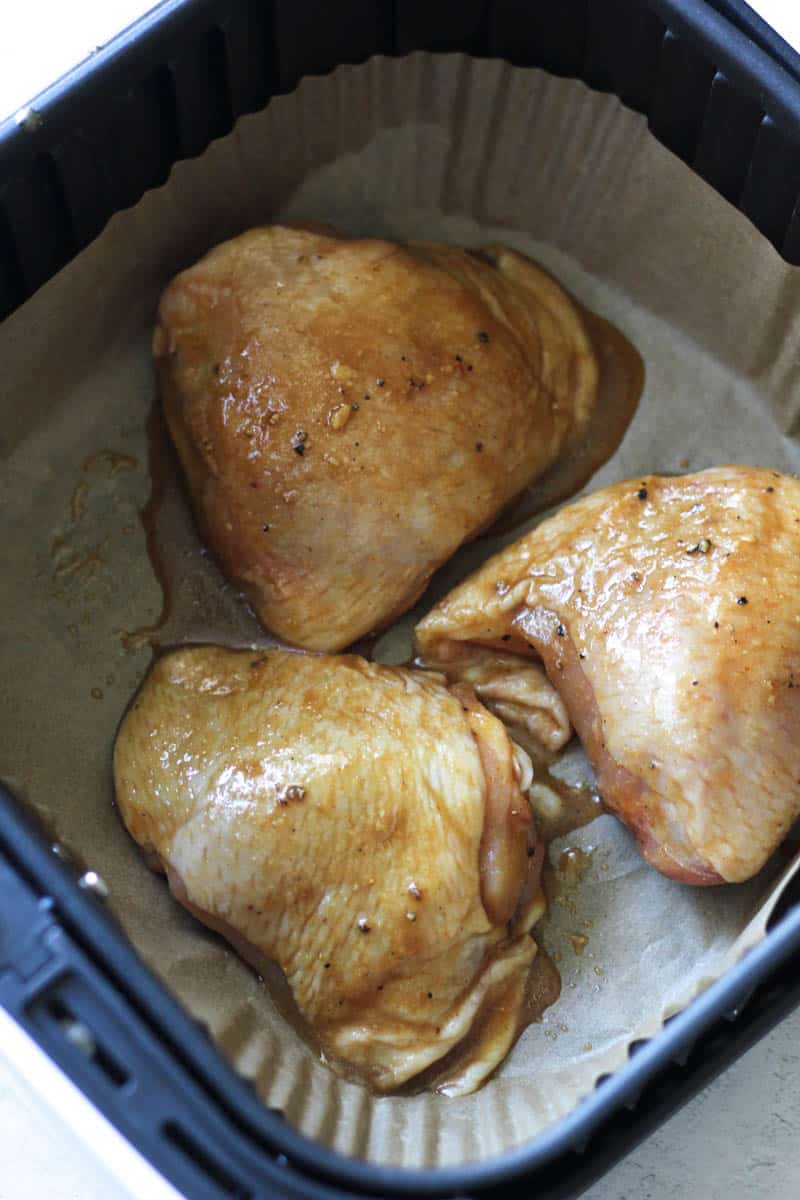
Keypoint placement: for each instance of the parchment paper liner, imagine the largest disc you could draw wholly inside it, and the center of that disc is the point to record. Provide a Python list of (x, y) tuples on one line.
[(427, 146)]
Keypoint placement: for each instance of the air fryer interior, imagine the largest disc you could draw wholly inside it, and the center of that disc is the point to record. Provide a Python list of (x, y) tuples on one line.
[(442, 147)]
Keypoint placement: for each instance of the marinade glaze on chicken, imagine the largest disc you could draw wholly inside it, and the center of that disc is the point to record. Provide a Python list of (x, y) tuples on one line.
[(365, 827), (349, 412), (666, 613)]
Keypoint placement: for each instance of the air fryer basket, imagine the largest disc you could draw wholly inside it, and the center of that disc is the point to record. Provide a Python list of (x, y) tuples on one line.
[(729, 107)]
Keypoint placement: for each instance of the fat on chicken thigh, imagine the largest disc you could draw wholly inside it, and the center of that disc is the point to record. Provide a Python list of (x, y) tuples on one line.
[(348, 412), (666, 613), (365, 827)]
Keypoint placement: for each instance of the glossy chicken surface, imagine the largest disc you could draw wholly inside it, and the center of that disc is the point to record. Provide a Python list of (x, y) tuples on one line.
[(666, 612), (349, 412), (362, 826)]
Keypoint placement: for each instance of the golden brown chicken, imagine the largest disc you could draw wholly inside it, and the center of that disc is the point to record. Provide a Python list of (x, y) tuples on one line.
[(666, 612), (349, 412), (364, 827)]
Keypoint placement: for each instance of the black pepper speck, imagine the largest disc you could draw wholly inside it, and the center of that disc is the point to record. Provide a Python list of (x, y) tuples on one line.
[(742, 600), (642, 493), (561, 631), (483, 337)]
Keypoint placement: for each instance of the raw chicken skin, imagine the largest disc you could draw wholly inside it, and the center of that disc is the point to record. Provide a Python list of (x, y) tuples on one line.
[(360, 825), (666, 612), (519, 694), (349, 412)]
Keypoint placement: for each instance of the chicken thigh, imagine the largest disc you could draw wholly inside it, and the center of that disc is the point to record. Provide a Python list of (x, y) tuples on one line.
[(362, 826), (348, 412), (666, 612)]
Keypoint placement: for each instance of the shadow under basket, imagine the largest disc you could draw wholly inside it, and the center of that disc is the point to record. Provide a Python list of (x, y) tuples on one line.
[(722, 92)]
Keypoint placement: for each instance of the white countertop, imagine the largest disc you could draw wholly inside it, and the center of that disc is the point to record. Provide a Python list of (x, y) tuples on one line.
[(738, 1140)]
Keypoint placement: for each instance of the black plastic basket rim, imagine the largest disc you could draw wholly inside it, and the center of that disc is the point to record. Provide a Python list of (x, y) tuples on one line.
[(739, 53), (89, 923), (736, 54), (750, 22)]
